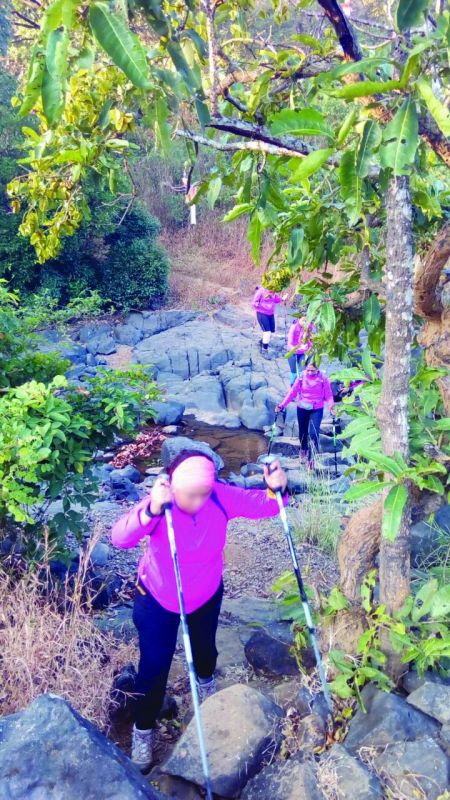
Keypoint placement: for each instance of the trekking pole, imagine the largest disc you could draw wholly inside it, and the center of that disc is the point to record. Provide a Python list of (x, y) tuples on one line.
[(188, 651), (301, 587), (273, 433), (336, 429)]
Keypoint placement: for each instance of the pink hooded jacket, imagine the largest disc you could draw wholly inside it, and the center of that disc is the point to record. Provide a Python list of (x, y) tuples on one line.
[(200, 542), (297, 334), (265, 301), (315, 390)]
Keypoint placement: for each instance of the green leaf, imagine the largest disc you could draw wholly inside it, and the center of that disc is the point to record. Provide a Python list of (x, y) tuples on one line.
[(310, 164), (423, 600), (441, 603), (161, 125), (154, 13), (351, 185), (361, 66), (121, 44), (367, 364), (34, 81), (340, 687), (365, 89), (307, 122), (347, 125), (181, 65), (386, 463), (400, 139), (53, 81), (213, 191), (359, 490), (327, 317), (237, 211), (410, 13), (370, 140), (371, 312), (295, 249), (254, 237), (393, 510), (435, 107)]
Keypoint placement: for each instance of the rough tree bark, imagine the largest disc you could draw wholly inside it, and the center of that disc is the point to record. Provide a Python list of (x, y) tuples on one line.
[(432, 297), (393, 415)]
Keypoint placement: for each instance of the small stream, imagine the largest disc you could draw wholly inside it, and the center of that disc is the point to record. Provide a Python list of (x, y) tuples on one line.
[(235, 446)]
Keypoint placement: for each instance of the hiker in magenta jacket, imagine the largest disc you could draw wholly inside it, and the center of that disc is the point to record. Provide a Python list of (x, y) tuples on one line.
[(300, 338), (201, 509), (312, 393), (264, 302)]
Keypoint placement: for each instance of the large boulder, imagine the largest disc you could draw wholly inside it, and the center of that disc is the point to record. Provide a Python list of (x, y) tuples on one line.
[(414, 770), (173, 446), (424, 542), (169, 413), (241, 725), (256, 418), (353, 780), (442, 518), (294, 779), (49, 752), (433, 699), (128, 334), (389, 719), (101, 344), (270, 654)]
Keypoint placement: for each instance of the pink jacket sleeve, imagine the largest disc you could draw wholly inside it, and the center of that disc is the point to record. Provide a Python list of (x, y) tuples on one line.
[(292, 393), (257, 298), (134, 525), (247, 503), (327, 392), (276, 298), (291, 337)]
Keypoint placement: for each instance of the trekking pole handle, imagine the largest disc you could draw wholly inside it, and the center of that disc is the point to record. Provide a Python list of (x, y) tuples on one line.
[(269, 462)]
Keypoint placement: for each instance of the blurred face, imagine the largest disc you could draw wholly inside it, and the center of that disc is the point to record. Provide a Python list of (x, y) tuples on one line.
[(191, 500), (311, 370)]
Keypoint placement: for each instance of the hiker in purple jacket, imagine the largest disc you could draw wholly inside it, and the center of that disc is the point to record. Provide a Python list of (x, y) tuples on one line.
[(264, 302), (201, 509), (312, 393), (300, 340)]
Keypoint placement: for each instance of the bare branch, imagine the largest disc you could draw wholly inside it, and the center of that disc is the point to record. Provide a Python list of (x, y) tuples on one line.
[(232, 147), (209, 10), (290, 144), (344, 31), (426, 279)]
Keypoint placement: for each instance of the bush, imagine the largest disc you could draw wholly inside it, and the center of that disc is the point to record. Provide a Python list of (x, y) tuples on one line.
[(136, 275)]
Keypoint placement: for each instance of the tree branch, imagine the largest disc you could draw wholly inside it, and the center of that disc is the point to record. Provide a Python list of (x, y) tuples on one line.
[(289, 144), (254, 145), (344, 31), (426, 279)]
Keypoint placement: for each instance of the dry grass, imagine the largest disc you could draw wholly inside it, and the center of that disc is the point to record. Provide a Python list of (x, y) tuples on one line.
[(211, 264), (49, 643)]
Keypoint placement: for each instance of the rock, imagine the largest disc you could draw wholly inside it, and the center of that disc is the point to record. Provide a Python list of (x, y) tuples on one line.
[(123, 489), (442, 518), (414, 770), (252, 469), (172, 447), (170, 430), (296, 481), (230, 647), (424, 542), (433, 699), (101, 344), (270, 655), (130, 473), (49, 752), (294, 779), (106, 508), (308, 703), (252, 610), (241, 725), (255, 418), (444, 739), (175, 788), (169, 413), (389, 719), (255, 482), (99, 554), (312, 734), (119, 622), (128, 333), (340, 485), (354, 781)]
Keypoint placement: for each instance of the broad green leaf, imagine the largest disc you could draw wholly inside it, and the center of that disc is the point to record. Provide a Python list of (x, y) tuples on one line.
[(435, 107), (386, 463), (351, 185), (295, 249), (310, 164), (413, 61), (215, 186), (441, 603), (161, 125), (394, 506), (199, 43), (181, 65), (202, 112), (361, 66), (53, 81), (121, 44), (347, 125), (34, 81), (69, 156), (371, 311), (154, 13), (359, 490), (400, 139), (423, 600), (327, 317), (307, 122), (370, 140), (237, 211), (364, 89), (254, 237), (367, 364), (410, 13)]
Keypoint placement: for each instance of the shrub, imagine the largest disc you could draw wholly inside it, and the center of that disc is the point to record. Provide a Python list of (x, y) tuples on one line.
[(135, 274)]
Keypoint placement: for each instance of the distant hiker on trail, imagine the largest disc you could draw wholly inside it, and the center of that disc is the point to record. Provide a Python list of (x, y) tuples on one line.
[(264, 302), (201, 509), (300, 338), (312, 392)]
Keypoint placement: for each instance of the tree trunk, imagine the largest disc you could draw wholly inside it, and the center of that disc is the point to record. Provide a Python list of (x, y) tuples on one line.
[(393, 415), (357, 549)]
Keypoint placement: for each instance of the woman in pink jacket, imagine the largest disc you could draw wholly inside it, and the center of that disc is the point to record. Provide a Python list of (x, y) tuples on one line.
[(201, 508), (264, 302), (300, 340), (312, 392)]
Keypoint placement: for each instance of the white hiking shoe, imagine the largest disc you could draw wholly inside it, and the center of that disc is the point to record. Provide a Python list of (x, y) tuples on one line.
[(206, 687), (142, 748)]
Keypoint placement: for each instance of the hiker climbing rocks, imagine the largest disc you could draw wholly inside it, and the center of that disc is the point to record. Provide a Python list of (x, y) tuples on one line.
[(300, 340), (264, 302), (201, 508), (312, 392)]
